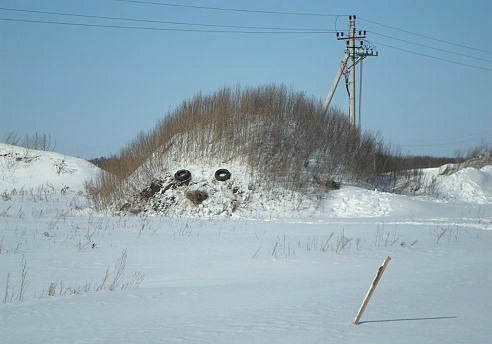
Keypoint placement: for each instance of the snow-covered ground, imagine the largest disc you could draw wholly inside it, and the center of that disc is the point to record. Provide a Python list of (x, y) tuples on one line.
[(71, 275), (28, 169)]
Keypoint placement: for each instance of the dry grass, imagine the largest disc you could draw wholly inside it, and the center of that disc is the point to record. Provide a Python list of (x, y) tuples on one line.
[(283, 135)]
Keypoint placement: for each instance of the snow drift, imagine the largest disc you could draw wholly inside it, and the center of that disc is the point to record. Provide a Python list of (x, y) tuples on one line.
[(469, 184), (26, 169)]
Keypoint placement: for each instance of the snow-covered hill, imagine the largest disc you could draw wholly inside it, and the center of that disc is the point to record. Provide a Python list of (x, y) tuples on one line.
[(26, 169), (246, 196)]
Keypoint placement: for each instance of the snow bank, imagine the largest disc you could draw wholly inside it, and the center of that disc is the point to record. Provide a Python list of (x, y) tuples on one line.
[(472, 185), (353, 201), (26, 169)]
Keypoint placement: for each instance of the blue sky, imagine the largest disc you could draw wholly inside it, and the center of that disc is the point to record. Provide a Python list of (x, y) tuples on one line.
[(94, 89)]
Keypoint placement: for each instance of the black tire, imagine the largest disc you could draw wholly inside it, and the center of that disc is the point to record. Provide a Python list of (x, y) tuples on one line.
[(182, 175), (222, 175)]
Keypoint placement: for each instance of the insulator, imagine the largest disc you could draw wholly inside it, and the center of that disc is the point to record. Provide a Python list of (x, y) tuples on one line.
[(338, 33), (364, 32), (350, 17), (359, 33), (342, 34), (354, 16)]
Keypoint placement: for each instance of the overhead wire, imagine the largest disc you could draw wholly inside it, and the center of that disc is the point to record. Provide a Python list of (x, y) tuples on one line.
[(152, 28), (241, 29), (428, 46), (244, 10), (78, 15), (425, 36), (432, 56), (483, 137), (469, 136), (228, 9), (440, 144)]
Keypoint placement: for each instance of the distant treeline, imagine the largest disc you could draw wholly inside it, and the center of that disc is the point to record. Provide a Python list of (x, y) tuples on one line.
[(415, 162)]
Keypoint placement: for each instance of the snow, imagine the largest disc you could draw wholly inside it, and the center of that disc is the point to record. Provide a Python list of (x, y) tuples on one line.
[(472, 185), (28, 169), (269, 273), (249, 195), (469, 185)]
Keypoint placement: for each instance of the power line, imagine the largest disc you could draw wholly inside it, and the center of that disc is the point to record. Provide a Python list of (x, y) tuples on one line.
[(162, 21), (228, 9), (160, 28), (426, 36), (243, 29), (454, 139), (244, 10), (433, 57), (430, 47), (441, 144)]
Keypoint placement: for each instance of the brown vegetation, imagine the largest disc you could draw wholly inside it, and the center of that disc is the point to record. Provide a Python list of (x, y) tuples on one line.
[(283, 135)]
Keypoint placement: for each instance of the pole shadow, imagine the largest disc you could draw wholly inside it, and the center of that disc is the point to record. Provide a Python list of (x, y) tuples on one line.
[(407, 319)]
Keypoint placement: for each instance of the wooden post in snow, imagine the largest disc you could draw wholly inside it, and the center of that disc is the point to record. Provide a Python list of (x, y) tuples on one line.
[(375, 282)]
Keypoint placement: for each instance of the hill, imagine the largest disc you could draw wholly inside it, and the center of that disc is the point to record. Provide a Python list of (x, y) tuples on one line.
[(274, 138), (28, 169), (283, 152)]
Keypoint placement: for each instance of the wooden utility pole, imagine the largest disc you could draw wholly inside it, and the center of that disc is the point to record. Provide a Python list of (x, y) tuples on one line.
[(373, 286), (331, 92), (354, 53), (351, 47)]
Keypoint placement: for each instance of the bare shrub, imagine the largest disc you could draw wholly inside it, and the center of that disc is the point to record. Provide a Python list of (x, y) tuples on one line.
[(32, 141), (7, 287), (10, 290), (439, 233), (342, 242), (52, 289), (23, 280), (113, 280), (274, 130), (118, 271)]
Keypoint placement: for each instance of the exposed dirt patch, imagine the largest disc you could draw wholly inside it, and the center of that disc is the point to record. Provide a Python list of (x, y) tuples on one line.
[(197, 196)]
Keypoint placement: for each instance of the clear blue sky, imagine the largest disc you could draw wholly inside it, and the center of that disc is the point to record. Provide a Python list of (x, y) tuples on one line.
[(94, 89)]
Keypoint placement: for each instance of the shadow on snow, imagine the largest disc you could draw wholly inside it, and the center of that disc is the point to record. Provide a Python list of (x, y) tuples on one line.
[(407, 319)]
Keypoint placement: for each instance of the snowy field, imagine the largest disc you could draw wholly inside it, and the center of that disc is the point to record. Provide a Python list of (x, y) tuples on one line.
[(71, 275)]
